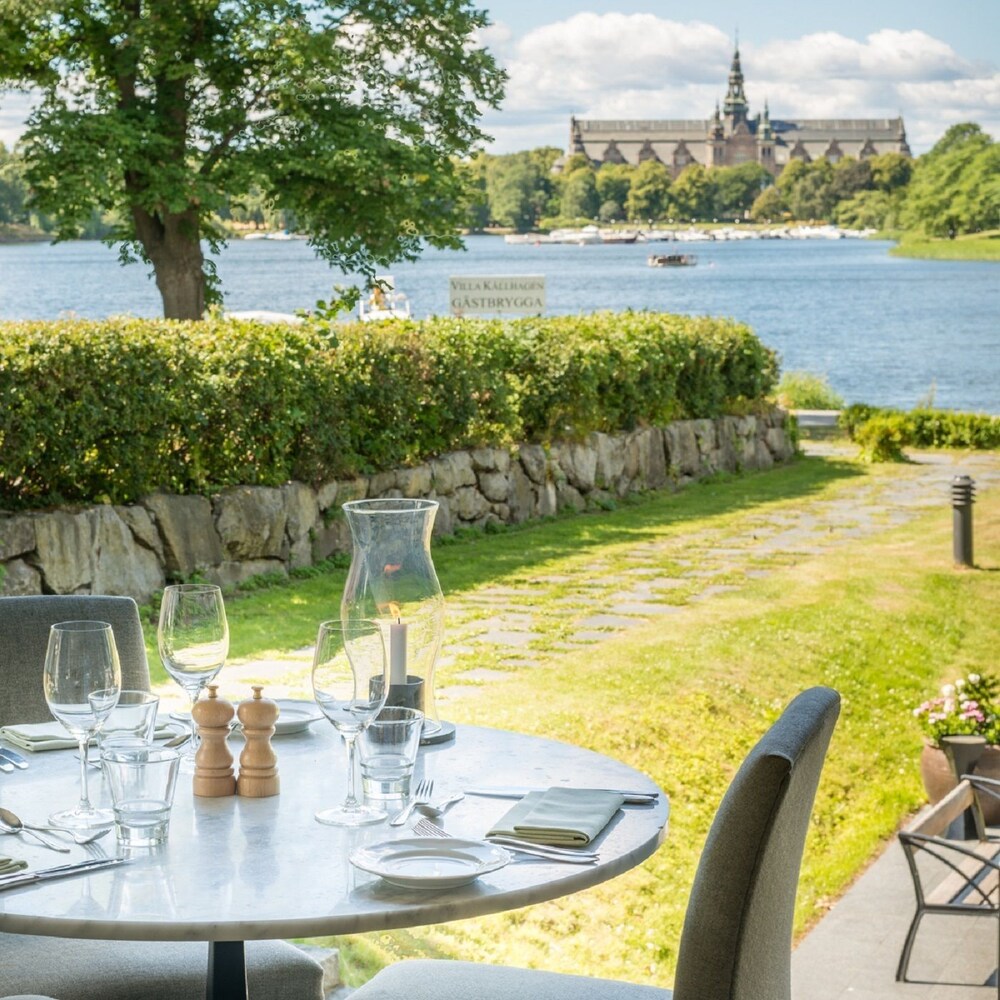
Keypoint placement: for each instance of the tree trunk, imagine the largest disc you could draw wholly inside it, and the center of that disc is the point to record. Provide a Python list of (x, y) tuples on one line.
[(173, 247)]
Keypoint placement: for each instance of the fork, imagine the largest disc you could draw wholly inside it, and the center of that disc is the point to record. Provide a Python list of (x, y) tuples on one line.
[(426, 828), (421, 796)]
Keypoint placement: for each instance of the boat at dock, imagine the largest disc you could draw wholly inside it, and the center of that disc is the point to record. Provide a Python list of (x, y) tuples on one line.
[(384, 302), (671, 260)]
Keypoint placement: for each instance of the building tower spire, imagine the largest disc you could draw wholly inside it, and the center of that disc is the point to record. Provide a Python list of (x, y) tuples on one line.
[(736, 100)]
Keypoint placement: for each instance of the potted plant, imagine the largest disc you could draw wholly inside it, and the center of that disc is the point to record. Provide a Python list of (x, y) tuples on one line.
[(969, 707)]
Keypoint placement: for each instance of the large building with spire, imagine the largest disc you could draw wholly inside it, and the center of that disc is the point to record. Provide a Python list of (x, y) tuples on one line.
[(731, 137)]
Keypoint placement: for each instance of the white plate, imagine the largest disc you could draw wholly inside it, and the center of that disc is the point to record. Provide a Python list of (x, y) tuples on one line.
[(293, 716), (430, 862)]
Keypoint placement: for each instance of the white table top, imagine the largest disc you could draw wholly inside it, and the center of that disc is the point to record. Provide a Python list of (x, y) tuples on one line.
[(245, 869)]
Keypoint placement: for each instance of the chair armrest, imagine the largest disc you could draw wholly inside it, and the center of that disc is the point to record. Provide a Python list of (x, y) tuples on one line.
[(925, 843)]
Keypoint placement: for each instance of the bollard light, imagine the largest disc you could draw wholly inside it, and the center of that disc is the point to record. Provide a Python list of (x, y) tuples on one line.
[(962, 498)]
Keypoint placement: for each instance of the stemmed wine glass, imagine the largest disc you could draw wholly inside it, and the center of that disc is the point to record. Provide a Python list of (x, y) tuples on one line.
[(193, 641), (82, 681), (350, 681)]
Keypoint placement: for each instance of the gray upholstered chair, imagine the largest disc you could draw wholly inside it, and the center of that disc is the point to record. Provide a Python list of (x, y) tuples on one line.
[(736, 942), (113, 970)]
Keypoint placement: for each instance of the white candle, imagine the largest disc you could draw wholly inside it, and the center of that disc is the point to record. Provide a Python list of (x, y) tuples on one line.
[(397, 653)]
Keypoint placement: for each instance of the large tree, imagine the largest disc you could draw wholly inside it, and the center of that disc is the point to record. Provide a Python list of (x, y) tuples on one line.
[(349, 115)]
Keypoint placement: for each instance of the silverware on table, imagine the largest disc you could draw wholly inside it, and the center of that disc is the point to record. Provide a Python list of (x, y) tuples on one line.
[(60, 871), (421, 795), (9, 759), (519, 791), (573, 856)]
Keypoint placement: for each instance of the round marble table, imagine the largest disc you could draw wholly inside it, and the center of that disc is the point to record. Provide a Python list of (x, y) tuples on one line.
[(240, 869)]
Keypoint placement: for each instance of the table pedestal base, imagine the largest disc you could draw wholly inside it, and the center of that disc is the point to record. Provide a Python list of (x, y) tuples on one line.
[(227, 971)]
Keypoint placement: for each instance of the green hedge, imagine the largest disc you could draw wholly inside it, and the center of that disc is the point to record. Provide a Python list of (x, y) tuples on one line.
[(883, 433), (112, 410)]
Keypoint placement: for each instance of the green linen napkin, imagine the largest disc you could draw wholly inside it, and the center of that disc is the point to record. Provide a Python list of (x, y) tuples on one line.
[(10, 865), (36, 736), (567, 817)]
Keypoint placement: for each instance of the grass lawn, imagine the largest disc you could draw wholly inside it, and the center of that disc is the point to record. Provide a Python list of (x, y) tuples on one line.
[(981, 246), (883, 619)]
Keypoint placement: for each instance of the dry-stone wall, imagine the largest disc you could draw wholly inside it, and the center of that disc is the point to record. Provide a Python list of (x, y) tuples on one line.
[(248, 530)]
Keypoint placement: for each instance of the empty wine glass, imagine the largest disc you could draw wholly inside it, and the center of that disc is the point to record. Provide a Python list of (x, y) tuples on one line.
[(193, 641), (350, 681), (82, 681)]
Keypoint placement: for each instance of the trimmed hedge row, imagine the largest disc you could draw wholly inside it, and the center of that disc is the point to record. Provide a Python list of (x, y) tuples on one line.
[(883, 433), (112, 410)]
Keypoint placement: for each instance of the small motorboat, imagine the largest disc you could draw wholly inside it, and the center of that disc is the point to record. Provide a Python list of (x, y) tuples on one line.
[(671, 260)]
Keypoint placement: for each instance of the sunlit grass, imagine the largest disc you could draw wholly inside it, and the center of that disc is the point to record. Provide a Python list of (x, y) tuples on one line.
[(882, 619)]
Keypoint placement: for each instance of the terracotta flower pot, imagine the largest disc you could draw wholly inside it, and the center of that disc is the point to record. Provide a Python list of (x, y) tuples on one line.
[(939, 780)]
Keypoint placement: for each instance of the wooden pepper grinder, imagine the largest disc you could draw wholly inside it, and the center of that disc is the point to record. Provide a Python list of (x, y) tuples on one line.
[(258, 765), (213, 763)]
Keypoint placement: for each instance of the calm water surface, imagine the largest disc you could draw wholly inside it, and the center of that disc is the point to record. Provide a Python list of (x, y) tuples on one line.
[(884, 330)]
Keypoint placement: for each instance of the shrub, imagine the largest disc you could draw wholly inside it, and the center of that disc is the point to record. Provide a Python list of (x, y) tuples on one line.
[(111, 410), (806, 391), (882, 438), (922, 428)]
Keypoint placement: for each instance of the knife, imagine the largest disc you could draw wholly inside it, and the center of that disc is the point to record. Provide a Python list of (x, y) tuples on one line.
[(13, 757), (60, 871), (519, 791)]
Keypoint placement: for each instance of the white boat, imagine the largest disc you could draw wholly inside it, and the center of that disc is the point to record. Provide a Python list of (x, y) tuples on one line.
[(671, 260), (383, 302)]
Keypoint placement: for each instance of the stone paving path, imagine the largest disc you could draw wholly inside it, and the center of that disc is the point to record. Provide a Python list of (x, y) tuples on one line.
[(507, 626)]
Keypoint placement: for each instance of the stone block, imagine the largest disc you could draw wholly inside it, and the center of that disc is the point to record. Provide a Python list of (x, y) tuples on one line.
[(382, 484), (569, 498), (17, 536), (64, 543), (20, 579), (468, 504), (682, 448), (652, 458), (143, 528), (443, 521), (764, 459), (120, 565), (331, 539), (414, 483), (494, 486), (610, 451), (779, 443), (522, 497), (302, 519), (326, 494), (534, 462), (251, 522), (578, 463), (190, 539), (546, 500), (490, 459)]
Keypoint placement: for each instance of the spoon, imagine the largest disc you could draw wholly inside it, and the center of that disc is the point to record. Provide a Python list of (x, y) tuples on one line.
[(10, 823), (439, 807), (80, 838)]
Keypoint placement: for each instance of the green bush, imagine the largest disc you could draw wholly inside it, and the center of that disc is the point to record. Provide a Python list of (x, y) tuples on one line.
[(112, 410), (883, 433), (806, 391)]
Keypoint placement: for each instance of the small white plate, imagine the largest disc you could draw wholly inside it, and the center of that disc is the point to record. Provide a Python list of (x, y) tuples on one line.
[(293, 716), (430, 862)]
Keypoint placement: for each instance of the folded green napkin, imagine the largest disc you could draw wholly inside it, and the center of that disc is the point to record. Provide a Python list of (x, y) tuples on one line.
[(10, 865), (36, 736), (569, 817)]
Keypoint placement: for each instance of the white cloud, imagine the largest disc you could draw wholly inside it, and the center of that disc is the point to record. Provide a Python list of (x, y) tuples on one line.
[(14, 108), (642, 66)]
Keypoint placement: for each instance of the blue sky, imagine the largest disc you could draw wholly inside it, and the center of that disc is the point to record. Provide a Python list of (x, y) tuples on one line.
[(935, 62)]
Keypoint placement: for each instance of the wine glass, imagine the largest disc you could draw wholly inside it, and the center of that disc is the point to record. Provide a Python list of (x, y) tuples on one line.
[(350, 681), (193, 641), (82, 681)]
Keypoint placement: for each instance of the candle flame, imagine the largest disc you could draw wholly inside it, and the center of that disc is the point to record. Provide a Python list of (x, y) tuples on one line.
[(391, 568), (394, 610)]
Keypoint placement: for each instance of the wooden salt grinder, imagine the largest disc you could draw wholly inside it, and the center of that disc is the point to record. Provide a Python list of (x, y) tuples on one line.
[(258, 765), (213, 763)]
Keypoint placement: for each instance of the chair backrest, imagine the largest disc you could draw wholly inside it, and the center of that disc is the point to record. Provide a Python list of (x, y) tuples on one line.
[(737, 937), (24, 637)]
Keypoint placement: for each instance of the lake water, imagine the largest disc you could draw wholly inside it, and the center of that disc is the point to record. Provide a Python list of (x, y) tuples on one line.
[(883, 330)]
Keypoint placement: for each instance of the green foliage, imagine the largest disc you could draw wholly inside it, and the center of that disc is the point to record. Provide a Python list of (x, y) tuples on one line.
[(956, 186), (769, 205), (885, 432), (649, 192), (736, 188), (350, 117), (807, 391), (882, 437), (579, 194), (195, 407), (691, 195)]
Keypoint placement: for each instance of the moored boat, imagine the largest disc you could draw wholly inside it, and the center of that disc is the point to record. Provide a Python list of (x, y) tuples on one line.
[(671, 260), (384, 302)]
